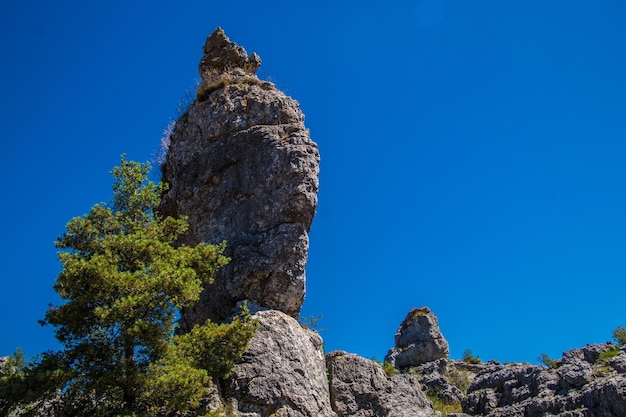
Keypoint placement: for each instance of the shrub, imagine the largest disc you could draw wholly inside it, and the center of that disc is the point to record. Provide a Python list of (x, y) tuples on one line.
[(311, 322), (619, 335), (389, 369), (469, 358), (548, 361)]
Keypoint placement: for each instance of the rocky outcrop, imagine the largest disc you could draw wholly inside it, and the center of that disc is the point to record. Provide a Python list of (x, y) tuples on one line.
[(586, 382), (418, 340), (283, 372), (242, 167), (360, 388)]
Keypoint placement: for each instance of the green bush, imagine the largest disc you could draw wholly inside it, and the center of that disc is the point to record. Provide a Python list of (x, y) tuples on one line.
[(389, 369), (548, 361), (619, 335), (469, 358)]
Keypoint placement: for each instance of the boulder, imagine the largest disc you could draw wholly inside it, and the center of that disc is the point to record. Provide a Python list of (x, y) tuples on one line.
[(360, 388), (418, 340), (605, 397), (283, 372), (242, 167), (619, 362)]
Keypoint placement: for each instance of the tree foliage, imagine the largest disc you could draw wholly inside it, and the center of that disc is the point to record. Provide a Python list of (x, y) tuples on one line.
[(180, 379), (548, 361), (619, 334), (123, 280), (469, 358)]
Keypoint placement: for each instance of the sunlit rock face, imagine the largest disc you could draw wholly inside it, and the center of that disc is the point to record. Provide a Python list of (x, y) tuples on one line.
[(242, 167), (418, 340), (283, 372), (360, 388)]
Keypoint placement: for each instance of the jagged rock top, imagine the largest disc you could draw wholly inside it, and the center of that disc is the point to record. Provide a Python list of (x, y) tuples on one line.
[(222, 55)]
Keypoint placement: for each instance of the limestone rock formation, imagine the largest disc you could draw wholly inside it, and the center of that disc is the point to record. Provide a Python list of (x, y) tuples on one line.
[(242, 167), (283, 372), (582, 385), (418, 340), (360, 388)]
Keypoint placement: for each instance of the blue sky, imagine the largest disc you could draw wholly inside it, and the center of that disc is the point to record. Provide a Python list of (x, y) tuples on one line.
[(473, 154)]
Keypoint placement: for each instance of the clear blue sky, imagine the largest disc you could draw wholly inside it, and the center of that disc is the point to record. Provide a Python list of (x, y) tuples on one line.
[(473, 154)]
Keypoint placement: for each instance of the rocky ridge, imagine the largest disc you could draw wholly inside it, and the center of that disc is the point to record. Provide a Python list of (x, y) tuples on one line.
[(585, 382)]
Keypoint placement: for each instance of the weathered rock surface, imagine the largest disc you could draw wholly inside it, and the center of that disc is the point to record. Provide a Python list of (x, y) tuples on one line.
[(582, 385), (418, 340), (360, 388), (242, 167), (283, 372), (446, 380)]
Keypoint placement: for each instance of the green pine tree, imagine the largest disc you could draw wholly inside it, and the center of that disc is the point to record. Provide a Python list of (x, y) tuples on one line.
[(123, 280)]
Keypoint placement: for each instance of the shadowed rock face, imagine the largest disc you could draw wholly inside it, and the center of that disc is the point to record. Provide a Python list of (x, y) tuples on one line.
[(242, 167)]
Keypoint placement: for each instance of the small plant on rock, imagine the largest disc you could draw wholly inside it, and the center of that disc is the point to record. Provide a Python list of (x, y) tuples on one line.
[(608, 354), (548, 361), (469, 358), (389, 369), (619, 335), (444, 407), (459, 378), (311, 322)]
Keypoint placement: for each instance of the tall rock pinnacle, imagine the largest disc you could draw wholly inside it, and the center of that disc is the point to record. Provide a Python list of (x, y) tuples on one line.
[(242, 167)]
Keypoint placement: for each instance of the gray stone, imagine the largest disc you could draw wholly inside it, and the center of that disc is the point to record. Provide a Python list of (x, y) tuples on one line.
[(605, 397), (360, 388), (480, 402), (619, 362), (283, 372), (575, 374), (581, 386), (418, 340), (589, 353), (242, 167)]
